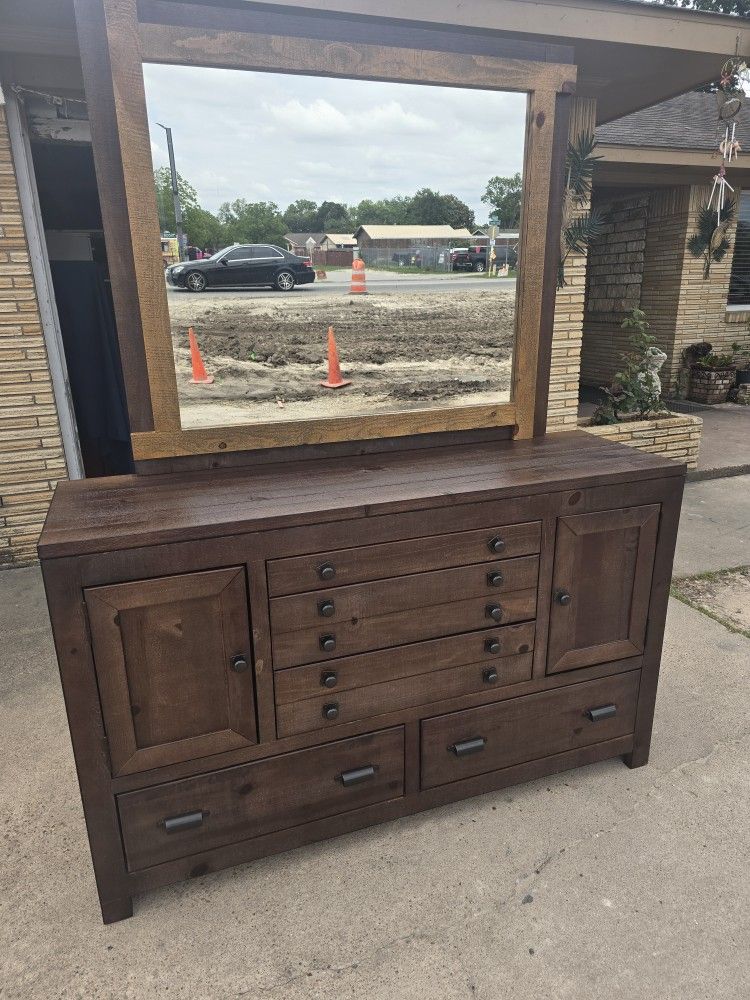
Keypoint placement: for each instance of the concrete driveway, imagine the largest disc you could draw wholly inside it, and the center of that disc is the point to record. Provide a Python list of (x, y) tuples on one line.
[(598, 883)]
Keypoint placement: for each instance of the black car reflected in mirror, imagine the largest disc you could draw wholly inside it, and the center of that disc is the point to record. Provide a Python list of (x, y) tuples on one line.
[(243, 266)]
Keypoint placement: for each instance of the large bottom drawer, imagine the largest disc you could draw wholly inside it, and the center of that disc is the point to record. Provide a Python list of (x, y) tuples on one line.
[(185, 817), (492, 737)]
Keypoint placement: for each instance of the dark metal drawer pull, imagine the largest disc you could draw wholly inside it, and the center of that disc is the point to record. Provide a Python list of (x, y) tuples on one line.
[(492, 645), (329, 679), (331, 712), (326, 609), (599, 714), (188, 821), (496, 544), (495, 579), (356, 775), (326, 571), (239, 664), (490, 676), (328, 643), (563, 598), (465, 747), (495, 612)]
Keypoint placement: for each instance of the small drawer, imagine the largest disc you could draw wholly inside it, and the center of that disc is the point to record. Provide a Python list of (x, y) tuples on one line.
[(323, 645), (325, 609), (334, 708), (351, 672), (338, 567), (511, 732), (186, 817), (312, 626)]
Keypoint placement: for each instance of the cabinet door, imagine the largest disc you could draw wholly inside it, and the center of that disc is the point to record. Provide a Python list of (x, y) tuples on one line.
[(173, 664), (601, 586)]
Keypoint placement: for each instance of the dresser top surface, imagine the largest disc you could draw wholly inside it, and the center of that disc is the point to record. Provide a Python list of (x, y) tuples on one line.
[(99, 515)]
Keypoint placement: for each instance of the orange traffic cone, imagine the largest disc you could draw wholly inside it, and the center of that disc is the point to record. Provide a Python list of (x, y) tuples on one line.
[(334, 380), (200, 376), (359, 286)]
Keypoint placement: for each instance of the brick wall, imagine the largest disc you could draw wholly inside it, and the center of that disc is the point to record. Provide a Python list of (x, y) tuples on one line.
[(31, 453), (681, 307), (702, 313), (613, 285), (562, 413), (677, 436)]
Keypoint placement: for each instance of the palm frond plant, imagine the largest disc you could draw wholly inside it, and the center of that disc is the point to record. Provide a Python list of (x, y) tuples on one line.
[(710, 240), (579, 228)]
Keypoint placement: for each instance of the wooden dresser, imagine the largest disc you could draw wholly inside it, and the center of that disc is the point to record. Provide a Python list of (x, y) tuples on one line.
[(257, 658)]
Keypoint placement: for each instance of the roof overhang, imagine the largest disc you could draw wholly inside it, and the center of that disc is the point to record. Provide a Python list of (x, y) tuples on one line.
[(629, 54), (649, 166)]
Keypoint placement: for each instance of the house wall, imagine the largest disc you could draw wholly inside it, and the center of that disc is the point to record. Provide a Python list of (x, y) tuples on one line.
[(31, 450), (681, 306), (386, 243), (702, 312), (613, 285)]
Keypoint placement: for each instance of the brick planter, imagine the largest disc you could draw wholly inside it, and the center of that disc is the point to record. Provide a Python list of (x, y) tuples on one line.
[(710, 385), (675, 435)]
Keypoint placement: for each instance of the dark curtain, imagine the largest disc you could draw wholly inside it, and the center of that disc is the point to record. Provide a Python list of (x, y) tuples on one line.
[(87, 325)]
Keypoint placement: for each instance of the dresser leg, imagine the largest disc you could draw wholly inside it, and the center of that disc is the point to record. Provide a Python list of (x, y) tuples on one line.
[(637, 757), (116, 909)]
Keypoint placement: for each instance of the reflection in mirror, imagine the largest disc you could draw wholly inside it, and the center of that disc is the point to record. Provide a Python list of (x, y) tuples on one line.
[(325, 219)]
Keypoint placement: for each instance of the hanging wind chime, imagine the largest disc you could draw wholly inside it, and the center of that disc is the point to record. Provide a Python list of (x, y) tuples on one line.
[(710, 241)]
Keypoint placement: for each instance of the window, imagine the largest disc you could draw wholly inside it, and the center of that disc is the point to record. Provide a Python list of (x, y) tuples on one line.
[(239, 253), (265, 252), (739, 283)]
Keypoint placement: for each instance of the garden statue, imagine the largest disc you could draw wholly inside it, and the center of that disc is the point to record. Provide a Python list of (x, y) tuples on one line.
[(653, 362)]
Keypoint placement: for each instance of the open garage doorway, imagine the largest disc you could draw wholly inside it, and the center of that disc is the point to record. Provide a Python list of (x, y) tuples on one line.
[(72, 264)]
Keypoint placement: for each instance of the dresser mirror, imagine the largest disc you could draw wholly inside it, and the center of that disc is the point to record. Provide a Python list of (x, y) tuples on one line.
[(294, 159), (284, 181)]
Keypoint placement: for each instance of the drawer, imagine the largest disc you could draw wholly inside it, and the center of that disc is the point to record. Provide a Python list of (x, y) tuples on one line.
[(334, 708), (405, 609), (491, 737), (325, 609), (185, 817), (410, 625), (349, 672), (415, 555)]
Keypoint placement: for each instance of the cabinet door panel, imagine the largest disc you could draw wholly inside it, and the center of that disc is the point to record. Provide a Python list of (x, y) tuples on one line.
[(601, 586), (164, 651)]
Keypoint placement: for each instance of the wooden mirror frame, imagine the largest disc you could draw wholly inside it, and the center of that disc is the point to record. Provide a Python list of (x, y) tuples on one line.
[(114, 44)]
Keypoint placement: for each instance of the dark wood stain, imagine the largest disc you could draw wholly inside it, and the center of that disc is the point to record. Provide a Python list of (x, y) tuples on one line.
[(159, 582)]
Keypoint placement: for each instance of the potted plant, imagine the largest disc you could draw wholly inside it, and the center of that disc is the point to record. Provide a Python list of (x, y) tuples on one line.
[(635, 392), (742, 364), (712, 375)]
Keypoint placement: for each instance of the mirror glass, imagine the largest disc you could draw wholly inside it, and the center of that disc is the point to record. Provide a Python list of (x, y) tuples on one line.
[(334, 247)]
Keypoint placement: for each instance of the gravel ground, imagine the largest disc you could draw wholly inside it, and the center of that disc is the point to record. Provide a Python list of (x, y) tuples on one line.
[(402, 350)]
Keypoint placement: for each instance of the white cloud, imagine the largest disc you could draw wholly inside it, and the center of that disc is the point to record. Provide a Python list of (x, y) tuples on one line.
[(277, 137), (317, 120)]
